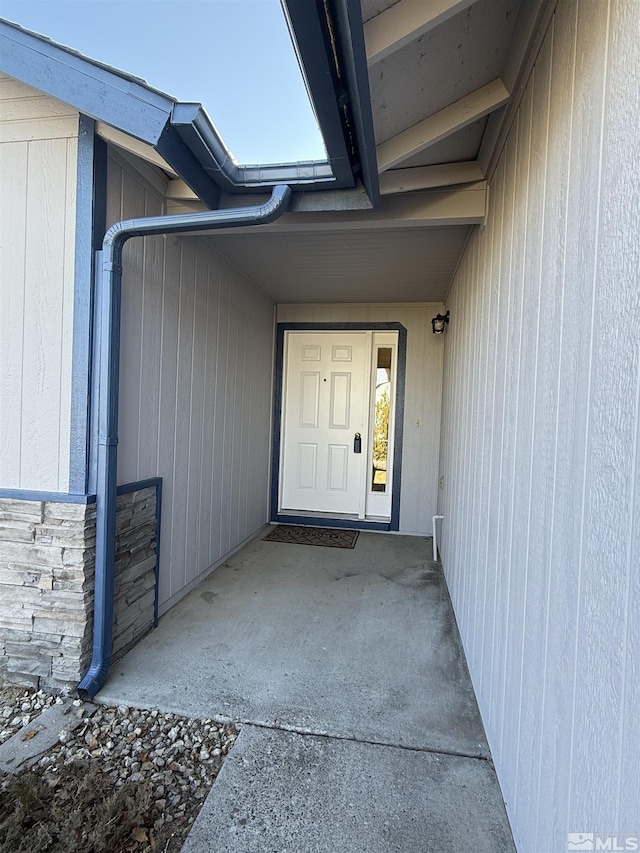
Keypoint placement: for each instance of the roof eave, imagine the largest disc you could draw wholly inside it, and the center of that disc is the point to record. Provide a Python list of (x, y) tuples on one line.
[(104, 94), (93, 89), (329, 37), (183, 134)]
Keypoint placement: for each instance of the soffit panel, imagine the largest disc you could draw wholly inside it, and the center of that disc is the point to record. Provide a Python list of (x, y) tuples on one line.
[(371, 8), (446, 64), (460, 146), (403, 265)]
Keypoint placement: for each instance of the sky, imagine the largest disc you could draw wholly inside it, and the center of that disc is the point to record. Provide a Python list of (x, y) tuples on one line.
[(233, 56)]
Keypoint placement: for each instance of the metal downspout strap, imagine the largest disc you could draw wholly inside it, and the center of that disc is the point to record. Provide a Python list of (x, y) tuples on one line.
[(109, 300)]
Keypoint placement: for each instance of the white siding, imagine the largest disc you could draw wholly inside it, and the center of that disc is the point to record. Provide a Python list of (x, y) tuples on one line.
[(540, 440), (421, 440), (195, 392), (38, 163)]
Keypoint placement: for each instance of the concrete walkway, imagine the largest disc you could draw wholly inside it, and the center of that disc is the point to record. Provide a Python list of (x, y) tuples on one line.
[(361, 734)]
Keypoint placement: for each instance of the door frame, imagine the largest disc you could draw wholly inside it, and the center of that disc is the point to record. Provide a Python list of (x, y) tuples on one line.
[(324, 520)]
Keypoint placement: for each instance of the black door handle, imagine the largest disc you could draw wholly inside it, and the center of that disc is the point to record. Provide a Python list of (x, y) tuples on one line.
[(357, 443)]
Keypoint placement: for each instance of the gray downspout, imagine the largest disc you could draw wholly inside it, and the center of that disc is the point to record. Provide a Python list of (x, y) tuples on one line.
[(109, 293)]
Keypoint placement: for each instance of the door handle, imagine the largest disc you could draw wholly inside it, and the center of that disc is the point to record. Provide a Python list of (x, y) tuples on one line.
[(357, 443)]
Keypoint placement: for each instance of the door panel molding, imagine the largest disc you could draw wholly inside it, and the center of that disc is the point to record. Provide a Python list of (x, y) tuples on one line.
[(322, 519), (309, 403), (340, 401)]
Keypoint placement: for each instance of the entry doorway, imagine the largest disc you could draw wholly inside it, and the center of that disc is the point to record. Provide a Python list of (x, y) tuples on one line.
[(339, 402)]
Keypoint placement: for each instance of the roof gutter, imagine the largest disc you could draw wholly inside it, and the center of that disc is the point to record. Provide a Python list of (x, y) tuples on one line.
[(201, 137), (109, 300), (329, 41)]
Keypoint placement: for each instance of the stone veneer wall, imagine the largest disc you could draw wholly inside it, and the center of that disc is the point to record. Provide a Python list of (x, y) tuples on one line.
[(135, 580), (47, 553), (47, 561)]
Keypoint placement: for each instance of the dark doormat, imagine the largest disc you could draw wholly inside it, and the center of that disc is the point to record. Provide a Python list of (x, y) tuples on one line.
[(313, 536)]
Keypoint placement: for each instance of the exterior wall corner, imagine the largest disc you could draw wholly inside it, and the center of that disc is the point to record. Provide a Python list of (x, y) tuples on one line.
[(47, 573)]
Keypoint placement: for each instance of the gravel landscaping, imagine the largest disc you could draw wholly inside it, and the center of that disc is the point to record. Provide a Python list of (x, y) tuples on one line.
[(123, 780)]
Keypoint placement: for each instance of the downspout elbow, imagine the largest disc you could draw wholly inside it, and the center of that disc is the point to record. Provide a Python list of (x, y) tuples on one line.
[(94, 678)]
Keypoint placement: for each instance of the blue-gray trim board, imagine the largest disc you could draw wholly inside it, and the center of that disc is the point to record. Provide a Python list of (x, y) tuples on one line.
[(138, 486), (94, 388), (324, 521), (49, 497), (70, 498), (99, 228), (82, 308), (95, 89)]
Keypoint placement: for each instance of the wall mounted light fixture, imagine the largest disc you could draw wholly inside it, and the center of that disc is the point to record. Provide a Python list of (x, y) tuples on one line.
[(439, 322)]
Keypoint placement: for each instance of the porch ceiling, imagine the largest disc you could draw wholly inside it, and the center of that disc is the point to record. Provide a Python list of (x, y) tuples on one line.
[(445, 78), (399, 265)]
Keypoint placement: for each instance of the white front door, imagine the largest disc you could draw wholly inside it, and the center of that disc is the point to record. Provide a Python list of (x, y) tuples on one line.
[(325, 422)]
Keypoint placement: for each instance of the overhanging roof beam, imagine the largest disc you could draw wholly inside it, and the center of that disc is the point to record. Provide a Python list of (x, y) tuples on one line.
[(427, 177), (532, 23), (454, 206), (405, 22), (438, 126)]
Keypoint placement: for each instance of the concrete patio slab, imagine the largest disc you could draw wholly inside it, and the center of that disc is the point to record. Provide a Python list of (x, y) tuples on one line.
[(359, 644), (280, 792)]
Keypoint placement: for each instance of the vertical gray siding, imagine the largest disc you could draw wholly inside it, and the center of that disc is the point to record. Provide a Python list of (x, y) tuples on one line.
[(195, 394), (38, 165), (540, 439), (421, 439)]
